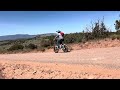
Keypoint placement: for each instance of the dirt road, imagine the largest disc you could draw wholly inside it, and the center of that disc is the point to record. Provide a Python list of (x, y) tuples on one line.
[(102, 61)]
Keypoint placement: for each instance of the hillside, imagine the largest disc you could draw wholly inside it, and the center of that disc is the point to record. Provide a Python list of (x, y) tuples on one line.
[(17, 36), (22, 36), (26, 43)]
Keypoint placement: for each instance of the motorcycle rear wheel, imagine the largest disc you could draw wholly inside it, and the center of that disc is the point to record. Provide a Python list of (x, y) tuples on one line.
[(56, 49)]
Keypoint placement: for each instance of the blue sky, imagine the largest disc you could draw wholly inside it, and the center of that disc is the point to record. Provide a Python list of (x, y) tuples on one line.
[(39, 22)]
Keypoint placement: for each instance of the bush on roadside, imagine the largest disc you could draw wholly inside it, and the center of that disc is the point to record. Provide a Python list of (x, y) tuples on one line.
[(41, 49), (114, 36), (45, 43), (16, 47), (31, 46), (97, 31)]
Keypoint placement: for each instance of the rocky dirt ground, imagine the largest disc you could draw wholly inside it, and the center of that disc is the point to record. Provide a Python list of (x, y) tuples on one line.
[(92, 60)]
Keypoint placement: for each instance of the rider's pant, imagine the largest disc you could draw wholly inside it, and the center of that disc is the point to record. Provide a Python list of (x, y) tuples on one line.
[(59, 41)]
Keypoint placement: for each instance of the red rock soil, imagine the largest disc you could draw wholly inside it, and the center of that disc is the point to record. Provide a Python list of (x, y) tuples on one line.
[(92, 60)]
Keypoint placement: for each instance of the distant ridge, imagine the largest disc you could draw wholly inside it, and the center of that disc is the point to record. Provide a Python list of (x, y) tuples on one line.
[(23, 36)]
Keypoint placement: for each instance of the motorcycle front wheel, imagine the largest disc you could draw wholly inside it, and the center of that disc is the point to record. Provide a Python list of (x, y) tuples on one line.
[(65, 48)]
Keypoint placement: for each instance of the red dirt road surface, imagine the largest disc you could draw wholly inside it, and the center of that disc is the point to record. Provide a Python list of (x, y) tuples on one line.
[(95, 63)]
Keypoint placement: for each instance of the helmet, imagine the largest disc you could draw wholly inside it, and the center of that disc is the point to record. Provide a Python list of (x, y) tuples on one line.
[(116, 20), (58, 31)]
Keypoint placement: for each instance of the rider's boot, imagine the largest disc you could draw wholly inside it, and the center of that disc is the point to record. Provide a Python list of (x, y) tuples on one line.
[(60, 46)]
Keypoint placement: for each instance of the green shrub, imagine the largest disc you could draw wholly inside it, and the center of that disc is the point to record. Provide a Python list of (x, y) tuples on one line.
[(3, 51), (118, 32), (16, 47), (114, 36), (45, 43), (98, 31), (41, 49), (31, 46)]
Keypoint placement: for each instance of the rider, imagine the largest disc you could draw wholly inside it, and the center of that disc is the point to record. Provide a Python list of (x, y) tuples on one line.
[(59, 38), (117, 25)]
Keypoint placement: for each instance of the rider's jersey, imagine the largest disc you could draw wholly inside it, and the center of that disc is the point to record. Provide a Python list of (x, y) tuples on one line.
[(59, 36)]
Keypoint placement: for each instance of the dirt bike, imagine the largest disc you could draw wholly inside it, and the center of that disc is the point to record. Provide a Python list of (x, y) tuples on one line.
[(63, 46)]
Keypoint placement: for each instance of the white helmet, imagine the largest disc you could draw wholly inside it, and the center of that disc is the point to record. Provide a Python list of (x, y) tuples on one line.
[(58, 31)]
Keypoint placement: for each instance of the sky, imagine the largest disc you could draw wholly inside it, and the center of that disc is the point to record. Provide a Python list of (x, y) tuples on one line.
[(40, 22)]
